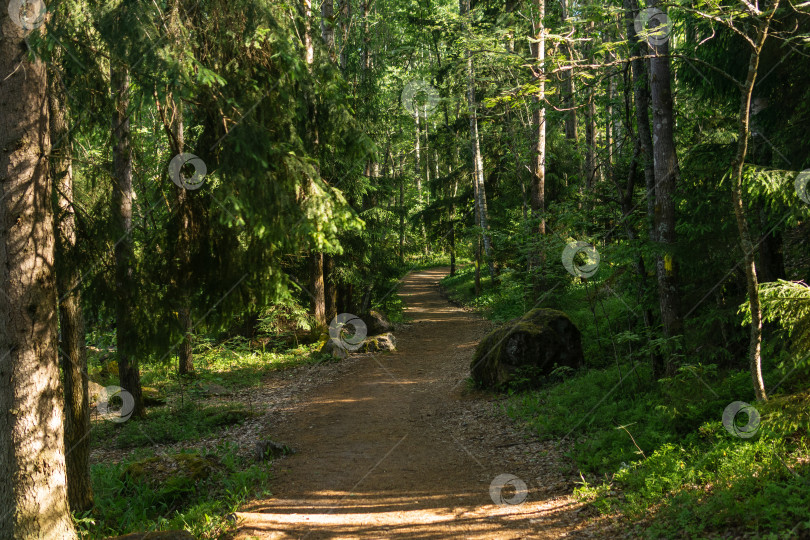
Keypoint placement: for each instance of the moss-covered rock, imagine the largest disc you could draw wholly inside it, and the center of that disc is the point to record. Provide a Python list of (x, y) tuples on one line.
[(334, 350), (152, 397), (172, 476), (525, 350), (383, 342), (376, 323)]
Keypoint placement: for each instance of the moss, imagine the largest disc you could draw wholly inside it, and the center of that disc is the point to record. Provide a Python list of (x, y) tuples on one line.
[(170, 472), (534, 330), (228, 417)]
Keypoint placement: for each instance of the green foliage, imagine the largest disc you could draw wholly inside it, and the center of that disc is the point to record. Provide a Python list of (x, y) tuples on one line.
[(170, 425), (198, 504)]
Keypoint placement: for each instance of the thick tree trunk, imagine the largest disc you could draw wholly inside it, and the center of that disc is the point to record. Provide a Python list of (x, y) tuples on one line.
[(666, 178), (33, 495), (752, 286), (126, 334), (71, 319)]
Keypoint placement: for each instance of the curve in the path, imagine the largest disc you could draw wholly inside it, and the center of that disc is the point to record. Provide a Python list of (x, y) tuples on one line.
[(379, 453)]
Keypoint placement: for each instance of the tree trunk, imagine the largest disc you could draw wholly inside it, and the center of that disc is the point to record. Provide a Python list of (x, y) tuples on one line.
[(478, 162), (666, 176), (317, 290), (538, 192), (185, 353), (366, 38), (591, 165), (755, 340), (125, 332), (401, 175), (309, 48), (33, 496), (330, 292), (642, 103), (71, 319), (345, 18), (569, 96), (418, 172), (327, 28)]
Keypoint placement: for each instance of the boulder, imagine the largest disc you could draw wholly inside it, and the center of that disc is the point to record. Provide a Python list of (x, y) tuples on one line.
[(215, 389), (94, 391), (525, 350), (384, 342), (376, 323), (268, 449), (334, 350), (171, 471), (152, 397)]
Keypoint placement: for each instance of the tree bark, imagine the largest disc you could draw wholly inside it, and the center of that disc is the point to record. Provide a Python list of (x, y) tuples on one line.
[(345, 7), (327, 28), (569, 95), (366, 38), (186, 227), (126, 334), (538, 192), (330, 291), (478, 162), (71, 319), (591, 164), (665, 163), (317, 290), (33, 494), (641, 90), (309, 48), (401, 175)]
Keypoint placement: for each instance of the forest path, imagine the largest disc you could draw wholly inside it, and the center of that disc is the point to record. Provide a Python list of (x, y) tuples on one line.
[(396, 448)]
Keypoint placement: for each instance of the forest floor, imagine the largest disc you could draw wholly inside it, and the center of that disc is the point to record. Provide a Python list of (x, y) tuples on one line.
[(396, 445)]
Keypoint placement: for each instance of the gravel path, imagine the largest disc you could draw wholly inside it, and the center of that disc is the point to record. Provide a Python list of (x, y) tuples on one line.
[(393, 445)]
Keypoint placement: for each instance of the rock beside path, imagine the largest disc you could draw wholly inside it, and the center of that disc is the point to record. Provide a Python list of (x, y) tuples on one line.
[(384, 342), (376, 323), (525, 350)]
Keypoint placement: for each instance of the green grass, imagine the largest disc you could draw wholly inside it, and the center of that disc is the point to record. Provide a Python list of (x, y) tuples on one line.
[(198, 506), (499, 304), (167, 425), (124, 504), (656, 451)]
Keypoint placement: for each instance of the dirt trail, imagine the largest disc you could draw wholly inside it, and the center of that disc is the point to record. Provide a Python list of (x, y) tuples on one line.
[(395, 447)]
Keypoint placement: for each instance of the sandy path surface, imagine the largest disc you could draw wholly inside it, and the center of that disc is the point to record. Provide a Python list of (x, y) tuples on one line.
[(395, 447)]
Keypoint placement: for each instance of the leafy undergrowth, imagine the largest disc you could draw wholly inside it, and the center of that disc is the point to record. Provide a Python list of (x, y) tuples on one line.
[(501, 304), (657, 451), (197, 503), (168, 425)]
